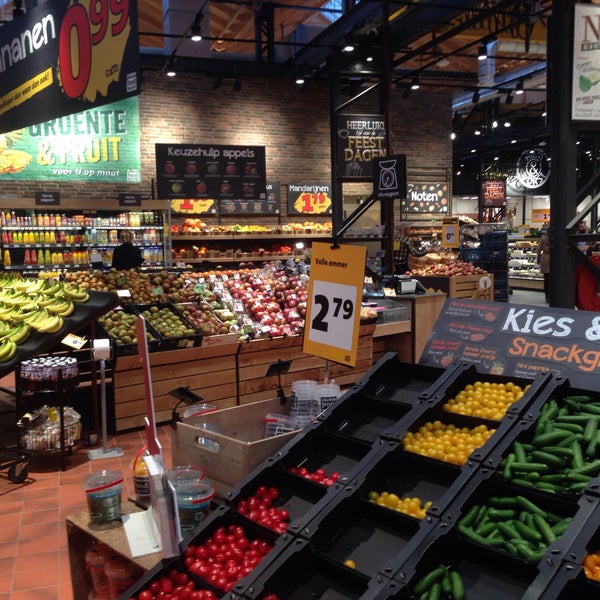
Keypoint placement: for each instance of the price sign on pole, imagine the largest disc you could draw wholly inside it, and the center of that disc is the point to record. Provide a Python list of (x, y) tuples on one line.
[(334, 297), (450, 238)]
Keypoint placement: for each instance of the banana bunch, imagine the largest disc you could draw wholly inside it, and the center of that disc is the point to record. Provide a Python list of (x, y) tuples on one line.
[(74, 293), (17, 333), (8, 349), (43, 321), (61, 306)]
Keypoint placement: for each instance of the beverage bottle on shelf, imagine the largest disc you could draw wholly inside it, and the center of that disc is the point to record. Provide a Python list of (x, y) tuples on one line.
[(7, 258), (27, 259), (2, 219), (34, 258), (47, 257), (40, 257)]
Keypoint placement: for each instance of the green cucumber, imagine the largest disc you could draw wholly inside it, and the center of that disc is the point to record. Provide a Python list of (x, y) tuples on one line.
[(458, 588), (544, 528), (425, 583)]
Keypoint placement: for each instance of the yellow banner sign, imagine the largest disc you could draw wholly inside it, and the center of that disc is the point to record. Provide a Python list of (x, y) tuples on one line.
[(193, 206)]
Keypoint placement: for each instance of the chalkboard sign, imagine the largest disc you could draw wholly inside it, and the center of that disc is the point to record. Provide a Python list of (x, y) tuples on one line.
[(210, 171), (517, 340)]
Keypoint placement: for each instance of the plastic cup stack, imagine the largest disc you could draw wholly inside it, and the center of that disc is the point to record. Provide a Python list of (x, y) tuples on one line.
[(302, 406)]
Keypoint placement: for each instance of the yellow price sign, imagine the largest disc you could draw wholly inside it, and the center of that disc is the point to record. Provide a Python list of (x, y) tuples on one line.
[(312, 203), (334, 298), (194, 206)]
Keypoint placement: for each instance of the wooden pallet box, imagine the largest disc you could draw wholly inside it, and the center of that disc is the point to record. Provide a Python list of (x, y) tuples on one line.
[(460, 286), (238, 445)]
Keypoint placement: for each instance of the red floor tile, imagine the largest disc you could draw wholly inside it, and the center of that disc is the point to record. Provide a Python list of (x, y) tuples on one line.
[(43, 577)]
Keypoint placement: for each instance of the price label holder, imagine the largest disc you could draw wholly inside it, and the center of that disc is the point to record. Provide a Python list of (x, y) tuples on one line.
[(123, 294), (74, 341), (334, 299)]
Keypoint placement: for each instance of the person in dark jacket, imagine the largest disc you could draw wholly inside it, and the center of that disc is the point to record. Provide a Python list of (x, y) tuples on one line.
[(127, 256)]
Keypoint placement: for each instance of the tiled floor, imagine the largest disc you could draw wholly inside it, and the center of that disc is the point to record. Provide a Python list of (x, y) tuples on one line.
[(34, 558)]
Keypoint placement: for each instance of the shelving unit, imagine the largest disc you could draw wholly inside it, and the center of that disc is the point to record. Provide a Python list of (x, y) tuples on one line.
[(489, 251), (523, 269), (42, 240)]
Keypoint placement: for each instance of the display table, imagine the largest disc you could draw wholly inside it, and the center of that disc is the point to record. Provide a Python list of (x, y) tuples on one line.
[(81, 534)]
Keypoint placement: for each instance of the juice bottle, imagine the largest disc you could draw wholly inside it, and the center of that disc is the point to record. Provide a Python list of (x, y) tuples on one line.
[(6, 258), (40, 257), (47, 257)]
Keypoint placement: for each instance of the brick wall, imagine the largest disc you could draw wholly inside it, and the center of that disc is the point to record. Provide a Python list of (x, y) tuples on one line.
[(292, 123)]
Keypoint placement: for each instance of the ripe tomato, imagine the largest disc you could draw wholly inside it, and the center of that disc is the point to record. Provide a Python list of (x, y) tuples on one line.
[(145, 595)]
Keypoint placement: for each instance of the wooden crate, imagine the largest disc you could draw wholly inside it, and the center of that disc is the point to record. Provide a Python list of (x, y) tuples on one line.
[(255, 357), (209, 372), (239, 445), (461, 286)]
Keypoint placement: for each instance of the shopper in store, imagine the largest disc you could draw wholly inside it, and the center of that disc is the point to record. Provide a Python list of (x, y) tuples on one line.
[(405, 247), (543, 259), (127, 256)]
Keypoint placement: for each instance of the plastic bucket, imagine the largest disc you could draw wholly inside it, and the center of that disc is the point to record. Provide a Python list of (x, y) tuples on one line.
[(303, 399), (198, 409), (103, 492), (327, 395), (193, 504), (182, 474)]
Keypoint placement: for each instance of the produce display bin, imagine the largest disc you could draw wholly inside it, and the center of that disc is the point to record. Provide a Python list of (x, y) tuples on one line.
[(301, 497), (486, 485), (460, 286), (301, 572), (364, 419), (378, 540), (395, 381), (128, 349), (568, 582), (432, 413), (228, 443), (467, 374), (316, 448), (410, 475), (219, 517), (188, 340), (483, 572), (538, 437)]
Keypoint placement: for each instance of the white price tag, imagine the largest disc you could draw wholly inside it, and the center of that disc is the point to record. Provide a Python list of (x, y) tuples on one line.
[(123, 293), (332, 315)]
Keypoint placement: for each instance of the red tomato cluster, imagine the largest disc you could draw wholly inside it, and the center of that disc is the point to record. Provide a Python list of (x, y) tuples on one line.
[(318, 475), (225, 557), (259, 508), (176, 585)]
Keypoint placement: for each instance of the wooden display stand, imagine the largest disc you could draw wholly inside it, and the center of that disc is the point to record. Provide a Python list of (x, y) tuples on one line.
[(461, 286), (81, 534), (226, 375)]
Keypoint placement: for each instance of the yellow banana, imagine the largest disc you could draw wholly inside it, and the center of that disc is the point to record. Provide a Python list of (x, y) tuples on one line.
[(8, 348), (68, 309), (58, 306), (19, 334), (52, 325)]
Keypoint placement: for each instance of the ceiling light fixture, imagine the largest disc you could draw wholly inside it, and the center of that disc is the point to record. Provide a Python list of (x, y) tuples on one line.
[(519, 88), (482, 53), (170, 69), (369, 59), (414, 85), (196, 33), (299, 80), (348, 48)]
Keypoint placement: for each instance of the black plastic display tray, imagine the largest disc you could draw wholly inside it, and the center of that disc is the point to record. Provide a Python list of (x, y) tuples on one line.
[(395, 381), (84, 314), (172, 342), (486, 484), (315, 447), (569, 582), (220, 516), (432, 413), (301, 573), (485, 574), (467, 373), (125, 349), (362, 418), (303, 499), (407, 474), (378, 540)]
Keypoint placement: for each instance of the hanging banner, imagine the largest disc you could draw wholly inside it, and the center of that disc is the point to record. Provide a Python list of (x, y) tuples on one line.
[(334, 298), (360, 140), (211, 171), (585, 93), (100, 144), (493, 193), (309, 199), (61, 58)]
